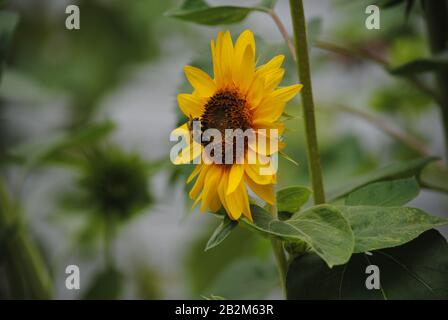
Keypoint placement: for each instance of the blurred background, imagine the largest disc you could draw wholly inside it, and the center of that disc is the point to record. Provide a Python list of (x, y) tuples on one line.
[(84, 110)]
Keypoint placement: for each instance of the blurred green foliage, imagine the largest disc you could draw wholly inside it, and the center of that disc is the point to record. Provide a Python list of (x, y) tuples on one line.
[(114, 35), (115, 183)]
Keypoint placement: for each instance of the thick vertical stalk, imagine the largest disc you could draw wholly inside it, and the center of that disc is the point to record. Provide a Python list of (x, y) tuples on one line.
[(303, 68), (436, 16), (279, 252)]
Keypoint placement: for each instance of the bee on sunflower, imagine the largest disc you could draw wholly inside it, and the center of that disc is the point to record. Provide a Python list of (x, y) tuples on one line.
[(240, 96)]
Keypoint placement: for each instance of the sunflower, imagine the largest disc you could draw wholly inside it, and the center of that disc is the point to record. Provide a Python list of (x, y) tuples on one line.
[(240, 96)]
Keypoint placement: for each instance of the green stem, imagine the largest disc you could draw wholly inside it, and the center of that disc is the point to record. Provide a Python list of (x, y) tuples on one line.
[(436, 15), (303, 68), (279, 252)]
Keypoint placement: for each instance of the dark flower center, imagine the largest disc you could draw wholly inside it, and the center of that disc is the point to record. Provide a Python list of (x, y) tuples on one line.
[(226, 110)]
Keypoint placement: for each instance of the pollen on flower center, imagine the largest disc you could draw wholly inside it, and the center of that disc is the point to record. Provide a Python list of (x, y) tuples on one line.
[(226, 109)]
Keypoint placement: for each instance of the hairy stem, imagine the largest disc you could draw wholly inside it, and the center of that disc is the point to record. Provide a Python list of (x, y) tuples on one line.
[(279, 252), (303, 69)]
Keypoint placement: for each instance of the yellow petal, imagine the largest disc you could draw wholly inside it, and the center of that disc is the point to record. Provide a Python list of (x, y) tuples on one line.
[(195, 172), (258, 124), (196, 201), (199, 184), (266, 143), (246, 72), (246, 39), (215, 204), (235, 176), (269, 110), (265, 192), (191, 105), (273, 64), (273, 79), (235, 205), (222, 191), (226, 57), (182, 130), (254, 172), (189, 153), (200, 81), (216, 59), (245, 199), (244, 42), (256, 93), (209, 191), (287, 93)]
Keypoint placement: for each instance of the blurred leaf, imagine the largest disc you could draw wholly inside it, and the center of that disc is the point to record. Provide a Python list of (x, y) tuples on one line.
[(400, 98), (384, 227), (106, 285), (198, 11), (432, 64), (8, 22), (221, 233), (389, 3), (112, 27), (416, 270), (245, 279), (55, 148), (392, 3), (291, 199), (203, 268), (322, 227), (385, 194), (435, 177), (391, 172)]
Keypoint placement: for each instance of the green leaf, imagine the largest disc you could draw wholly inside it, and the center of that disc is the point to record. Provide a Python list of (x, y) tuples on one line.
[(8, 22), (200, 12), (106, 285), (385, 194), (416, 270), (291, 199), (435, 177), (222, 232), (393, 171), (435, 63), (323, 228), (385, 227), (249, 278)]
